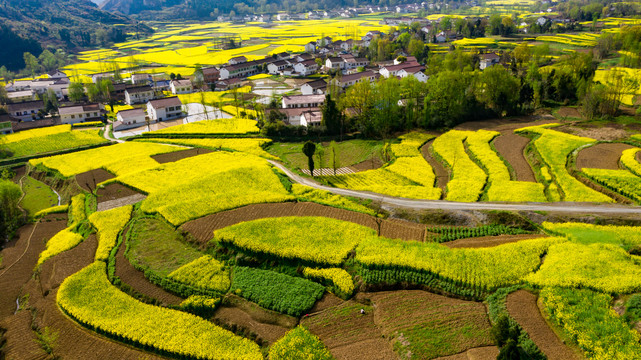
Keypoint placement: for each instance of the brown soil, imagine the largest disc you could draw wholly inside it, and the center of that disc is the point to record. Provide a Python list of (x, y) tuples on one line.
[(20, 172), (21, 340), (88, 180), (400, 314), (511, 146), (521, 305), (442, 175), (266, 332), (601, 156), (481, 353), (502, 125), (349, 334), (55, 270), (370, 164), (489, 241), (606, 133), (202, 229), (327, 301), (137, 280), (179, 155), (114, 191), (569, 112), (20, 258)]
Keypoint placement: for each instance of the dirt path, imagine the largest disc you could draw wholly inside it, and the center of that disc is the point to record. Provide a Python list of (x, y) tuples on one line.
[(601, 156), (137, 280), (490, 241), (442, 176), (521, 305), (562, 207), (511, 146), (203, 228)]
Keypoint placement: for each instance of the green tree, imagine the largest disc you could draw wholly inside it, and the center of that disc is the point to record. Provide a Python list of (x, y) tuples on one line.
[(495, 89), (332, 116), (31, 63), (48, 60), (50, 100), (309, 148), (334, 156), (10, 214), (76, 92)]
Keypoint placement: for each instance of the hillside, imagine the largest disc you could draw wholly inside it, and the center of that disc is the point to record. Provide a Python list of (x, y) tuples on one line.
[(67, 24)]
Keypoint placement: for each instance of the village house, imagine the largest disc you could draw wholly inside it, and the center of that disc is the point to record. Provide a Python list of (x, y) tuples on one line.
[(354, 63), (80, 113), (310, 118), (291, 116), (392, 70), (349, 80), (417, 72), (180, 87), (302, 101), (487, 60), (138, 95), (316, 87), (25, 111), (127, 119), (164, 109), (335, 63), (141, 79), (21, 96), (210, 75), (56, 74), (310, 47), (306, 67), (237, 60), (242, 70), (224, 85), (276, 67)]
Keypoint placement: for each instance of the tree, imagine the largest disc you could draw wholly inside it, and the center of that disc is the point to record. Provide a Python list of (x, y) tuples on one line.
[(48, 60), (320, 154), (334, 156), (50, 100), (10, 214), (198, 77), (31, 63), (309, 148), (495, 88), (332, 116), (76, 91)]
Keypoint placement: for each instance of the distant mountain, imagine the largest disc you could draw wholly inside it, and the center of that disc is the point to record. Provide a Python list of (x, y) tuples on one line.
[(67, 24)]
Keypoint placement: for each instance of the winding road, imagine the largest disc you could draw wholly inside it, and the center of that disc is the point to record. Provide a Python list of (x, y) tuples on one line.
[(567, 207)]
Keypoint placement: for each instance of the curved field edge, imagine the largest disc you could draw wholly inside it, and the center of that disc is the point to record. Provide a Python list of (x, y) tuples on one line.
[(83, 296)]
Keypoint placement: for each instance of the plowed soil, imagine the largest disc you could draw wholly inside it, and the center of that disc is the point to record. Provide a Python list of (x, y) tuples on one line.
[(429, 325), (137, 280), (179, 155), (88, 180), (55, 270), (490, 241), (348, 334), (482, 353), (268, 333), (113, 192), (521, 305), (21, 340), (202, 229), (510, 146), (442, 175), (369, 164), (601, 156), (21, 256)]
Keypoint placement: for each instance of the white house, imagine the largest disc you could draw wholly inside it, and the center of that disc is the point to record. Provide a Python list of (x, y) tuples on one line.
[(335, 63), (20, 96), (417, 72), (80, 113), (303, 101), (139, 94), (25, 111), (316, 87), (141, 79), (277, 66), (310, 47), (164, 109), (392, 70), (237, 60), (127, 119), (57, 74), (310, 118), (180, 87), (349, 80), (488, 60), (306, 67), (353, 63)]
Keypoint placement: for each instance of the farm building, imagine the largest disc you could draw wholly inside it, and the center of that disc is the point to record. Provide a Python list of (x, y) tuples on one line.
[(128, 119), (80, 113), (164, 109), (302, 101), (138, 95), (180, 87), (27, 110)]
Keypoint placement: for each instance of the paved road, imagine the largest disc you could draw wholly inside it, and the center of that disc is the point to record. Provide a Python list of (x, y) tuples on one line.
[(450, 205)]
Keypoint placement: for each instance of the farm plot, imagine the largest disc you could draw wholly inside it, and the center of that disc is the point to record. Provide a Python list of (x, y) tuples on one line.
[(627, 237), (601, 156), (45, 140), (91, 300), (467, 179), (619, 181), (178, 155), (299, 343), (631, 159), (250, 146), (500, 186), (410, 175), (427, 325), (290, 238), (37, 196), (211, 127), (554, 148), (119, 159), (89, 180), (224, 181), (348, 334), (587, 318)]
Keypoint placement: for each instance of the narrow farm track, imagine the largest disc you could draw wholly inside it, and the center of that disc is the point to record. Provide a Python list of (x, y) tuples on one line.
[(137, 280), (202, 229), (451, 205), (521, 305)]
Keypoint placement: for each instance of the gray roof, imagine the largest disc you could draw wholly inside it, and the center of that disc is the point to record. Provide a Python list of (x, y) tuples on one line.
[(170, 101)]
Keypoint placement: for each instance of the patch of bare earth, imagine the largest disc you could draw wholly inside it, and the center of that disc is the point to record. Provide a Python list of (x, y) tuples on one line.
[(372, 163), (605, 133), (601, 156), (114, 191), (521, 305), (506, 124), (179, 155), (490, 241), (511, 147), (20, 339), (137, 280), (481, 353), (348, 334), (566, 112), (442, 175), (90, 179), (423, 325), (202, 229)]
